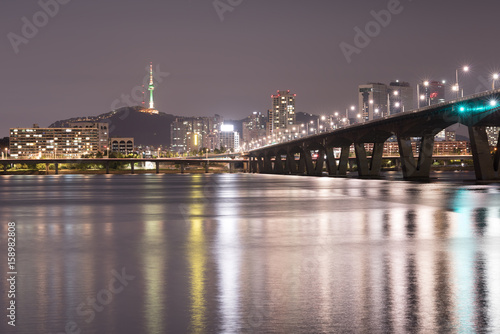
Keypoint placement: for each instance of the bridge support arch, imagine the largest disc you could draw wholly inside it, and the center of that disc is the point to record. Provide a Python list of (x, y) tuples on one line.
[(297, 167), (268, 164), (315, 168), (369, 167), (260, 163), (420, 168), (486, 166), (280, 165), (337, 166)]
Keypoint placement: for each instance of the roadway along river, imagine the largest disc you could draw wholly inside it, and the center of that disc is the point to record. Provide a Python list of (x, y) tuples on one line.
[(241, 253)]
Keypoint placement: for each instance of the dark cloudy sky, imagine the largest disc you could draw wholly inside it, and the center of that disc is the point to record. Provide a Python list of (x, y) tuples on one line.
[(91, 52)]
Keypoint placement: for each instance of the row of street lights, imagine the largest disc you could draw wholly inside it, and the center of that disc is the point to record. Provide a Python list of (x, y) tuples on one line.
[(494, 77), (309, 127)]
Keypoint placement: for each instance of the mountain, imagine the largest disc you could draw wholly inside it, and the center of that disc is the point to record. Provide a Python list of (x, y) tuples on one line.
[(145, 128)]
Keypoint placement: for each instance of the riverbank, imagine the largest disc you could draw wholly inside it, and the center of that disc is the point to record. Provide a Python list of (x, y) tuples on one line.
[(188, 170)]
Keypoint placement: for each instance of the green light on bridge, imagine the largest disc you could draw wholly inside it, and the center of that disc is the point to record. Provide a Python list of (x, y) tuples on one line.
[(492, 104)]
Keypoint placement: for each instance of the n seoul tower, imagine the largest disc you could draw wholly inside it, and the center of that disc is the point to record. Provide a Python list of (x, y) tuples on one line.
[(151, 87)]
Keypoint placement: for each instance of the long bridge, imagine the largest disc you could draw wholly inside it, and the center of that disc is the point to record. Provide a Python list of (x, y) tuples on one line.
[(476, 112)]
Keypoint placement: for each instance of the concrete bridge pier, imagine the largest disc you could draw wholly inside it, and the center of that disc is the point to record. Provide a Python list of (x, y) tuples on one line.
[(337, 167), (231, 167), (182, 168), (320, 163), (496, 157), (278, 165), (132, 165), (485, 166), (47, 168), (291, 163), (268, 165), (302, 164), (307, 162), (369, 168), (157, 163), (206, 166), (260, 164), (5, 168), (57, 168), (351, 165), (106, 164), (422, 167), (254, 165)]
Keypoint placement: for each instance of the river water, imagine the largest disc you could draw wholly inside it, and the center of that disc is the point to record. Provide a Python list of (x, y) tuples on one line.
[(242, 253)]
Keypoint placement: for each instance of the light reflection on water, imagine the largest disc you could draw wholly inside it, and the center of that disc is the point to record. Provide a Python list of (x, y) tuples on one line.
[(254, 253)]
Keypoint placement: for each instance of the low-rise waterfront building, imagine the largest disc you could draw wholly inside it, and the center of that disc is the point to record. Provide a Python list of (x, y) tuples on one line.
[(39, 142)]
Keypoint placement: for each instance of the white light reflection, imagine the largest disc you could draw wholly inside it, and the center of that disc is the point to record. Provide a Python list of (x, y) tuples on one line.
[(228, 258), (462, 253), (154, 258)]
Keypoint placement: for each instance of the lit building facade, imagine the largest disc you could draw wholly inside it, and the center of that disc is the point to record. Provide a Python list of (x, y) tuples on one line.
[(282, 115), (400, 96), (372, 100), (193, 141), (102, 129), (430, 93), (53, 142), (229, 139), (254, 127), (212, 140), (492, 132), (193, 133)]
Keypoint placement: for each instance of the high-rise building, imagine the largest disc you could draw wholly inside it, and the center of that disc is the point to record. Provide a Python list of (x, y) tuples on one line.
[(450, 135), (212, 140), (372, 99), (282, 114), (430, 93), (400, 97), (254, 127), (492, 132), (229, 139), (184, 127), (193, 141)]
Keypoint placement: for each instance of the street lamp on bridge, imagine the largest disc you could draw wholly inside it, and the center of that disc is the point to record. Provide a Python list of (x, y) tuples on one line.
[(495, 78), (457, 86)]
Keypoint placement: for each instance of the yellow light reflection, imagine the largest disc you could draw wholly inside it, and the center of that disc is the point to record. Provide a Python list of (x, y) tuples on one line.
[(197, 261), (154, 262)]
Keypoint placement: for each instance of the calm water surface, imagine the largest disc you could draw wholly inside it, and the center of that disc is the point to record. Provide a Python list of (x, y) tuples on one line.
[(239, 253)]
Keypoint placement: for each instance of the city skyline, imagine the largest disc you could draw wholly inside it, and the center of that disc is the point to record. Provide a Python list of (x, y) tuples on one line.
[(238, 166), (231, 62)]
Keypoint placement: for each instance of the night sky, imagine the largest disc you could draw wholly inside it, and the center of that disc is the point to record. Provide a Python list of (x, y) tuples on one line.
[(89, 53)]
